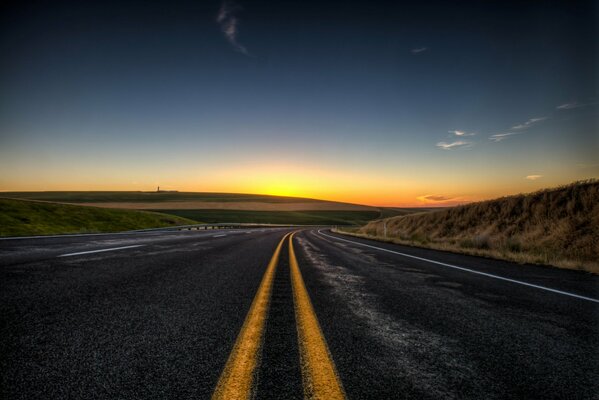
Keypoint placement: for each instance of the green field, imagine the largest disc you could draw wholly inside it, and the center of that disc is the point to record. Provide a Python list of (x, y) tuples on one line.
[(132, 197), (278, 217), (23, 218), (45, 215)]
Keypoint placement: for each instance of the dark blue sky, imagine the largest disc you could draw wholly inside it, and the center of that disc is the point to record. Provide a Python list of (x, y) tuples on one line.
[(103, 95)]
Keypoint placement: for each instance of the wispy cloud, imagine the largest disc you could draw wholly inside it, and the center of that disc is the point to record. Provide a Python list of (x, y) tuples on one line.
[(439, 200), (228, 21), (432, 197), (568, 106), (575, 104), (462, 133), (419, 50), (529, 123), (498, 137), (453, 145), (533, 177)]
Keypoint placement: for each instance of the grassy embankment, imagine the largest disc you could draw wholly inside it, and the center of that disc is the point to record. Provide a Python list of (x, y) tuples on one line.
[(23, 218), (558, 227)]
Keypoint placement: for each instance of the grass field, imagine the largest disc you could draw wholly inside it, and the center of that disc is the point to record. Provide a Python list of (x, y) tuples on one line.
[(317, 217), (23, 218), (158, 197), (557, 227), (188, 201), (216, 207)]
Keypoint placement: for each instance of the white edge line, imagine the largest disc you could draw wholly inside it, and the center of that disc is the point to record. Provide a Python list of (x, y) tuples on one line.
[(223, 235), (69, 235), (100, 251), (467, 269)]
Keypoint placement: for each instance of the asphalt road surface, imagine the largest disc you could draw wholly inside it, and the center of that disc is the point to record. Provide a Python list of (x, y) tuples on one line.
[(241, 313)]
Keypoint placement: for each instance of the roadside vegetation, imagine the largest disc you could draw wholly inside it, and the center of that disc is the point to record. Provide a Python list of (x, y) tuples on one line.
[(558, 227), (23, 218), (387, 212)]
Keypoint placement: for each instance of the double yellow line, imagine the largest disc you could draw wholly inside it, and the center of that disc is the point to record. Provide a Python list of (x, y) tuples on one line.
[(319, 376)]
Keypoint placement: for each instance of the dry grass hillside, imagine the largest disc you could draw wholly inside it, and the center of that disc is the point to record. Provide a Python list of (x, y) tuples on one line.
[(557, 227)]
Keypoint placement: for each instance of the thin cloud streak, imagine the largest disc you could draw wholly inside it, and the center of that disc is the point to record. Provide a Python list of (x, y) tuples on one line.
[(570, 106), (439, 200), (419, 50), (529, 123), (520, 128), (453, 145), (498, 137), (533, 177), (462, 133), (432, 197), (229, 22)]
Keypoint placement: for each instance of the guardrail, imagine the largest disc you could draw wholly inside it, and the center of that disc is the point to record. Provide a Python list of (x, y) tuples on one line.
[(226, 225)]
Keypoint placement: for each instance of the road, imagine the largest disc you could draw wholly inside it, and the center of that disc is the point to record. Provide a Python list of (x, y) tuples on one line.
[(238, 313)]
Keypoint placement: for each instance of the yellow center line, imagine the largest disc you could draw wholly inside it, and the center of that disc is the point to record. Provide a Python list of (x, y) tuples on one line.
[(236, 380), (318, 369)]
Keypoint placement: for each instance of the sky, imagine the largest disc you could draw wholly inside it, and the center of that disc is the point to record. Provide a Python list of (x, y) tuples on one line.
[(427, 103)]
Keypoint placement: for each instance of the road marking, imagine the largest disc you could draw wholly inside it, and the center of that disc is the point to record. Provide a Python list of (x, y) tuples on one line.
[(100, 251), (223, 235), (236, 380), (79, 235), (468, 270), (318, 369)]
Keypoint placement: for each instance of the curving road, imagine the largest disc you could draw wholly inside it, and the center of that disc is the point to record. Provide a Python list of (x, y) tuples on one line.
[(263, 313)]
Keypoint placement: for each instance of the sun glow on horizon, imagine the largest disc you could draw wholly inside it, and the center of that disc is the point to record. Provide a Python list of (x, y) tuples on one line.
[(308, 112), (441, 179), (392, 189)]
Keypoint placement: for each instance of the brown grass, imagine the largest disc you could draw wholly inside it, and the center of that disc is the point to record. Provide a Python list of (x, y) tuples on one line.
[(558, 227)]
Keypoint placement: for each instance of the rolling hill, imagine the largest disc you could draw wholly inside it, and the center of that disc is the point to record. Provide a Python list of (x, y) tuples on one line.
[(223, 207), (23, 218)]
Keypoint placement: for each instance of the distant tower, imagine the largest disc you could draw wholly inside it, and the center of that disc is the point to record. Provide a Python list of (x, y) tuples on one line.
[(158, 189)]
